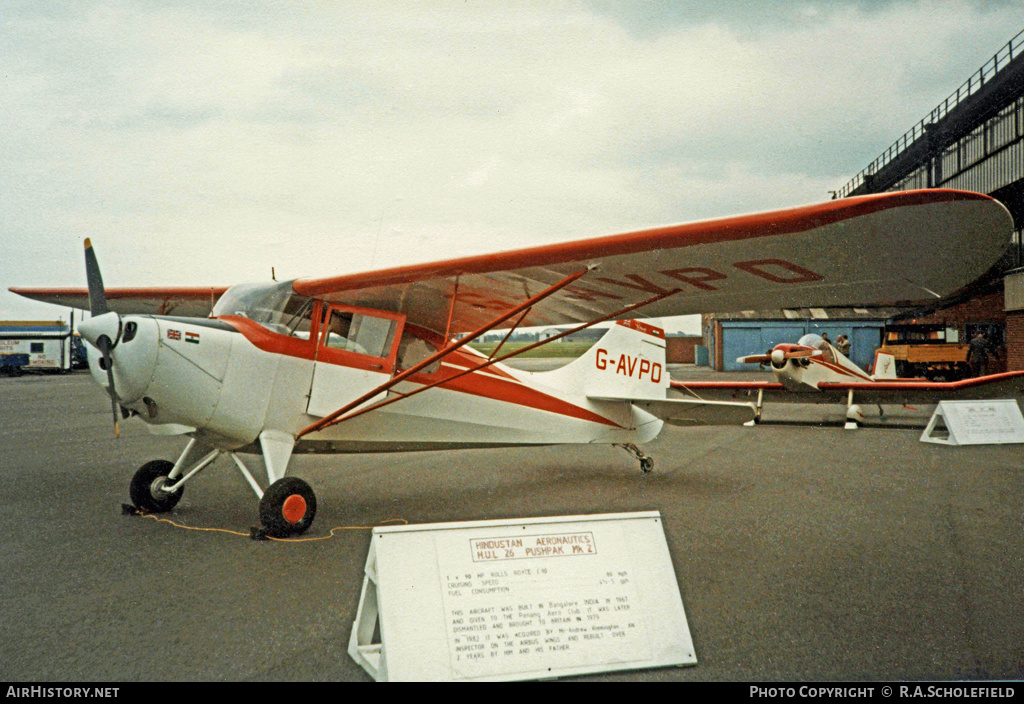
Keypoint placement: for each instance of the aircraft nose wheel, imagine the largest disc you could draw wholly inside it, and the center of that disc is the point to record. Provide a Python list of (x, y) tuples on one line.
[(147, 488), (287, 508)]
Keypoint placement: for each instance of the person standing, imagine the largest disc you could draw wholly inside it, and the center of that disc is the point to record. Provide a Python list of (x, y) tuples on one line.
[(977, 354), (843, 345)]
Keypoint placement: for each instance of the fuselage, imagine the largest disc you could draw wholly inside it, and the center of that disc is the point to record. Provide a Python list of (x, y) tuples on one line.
[(271, 360), (803, 366)]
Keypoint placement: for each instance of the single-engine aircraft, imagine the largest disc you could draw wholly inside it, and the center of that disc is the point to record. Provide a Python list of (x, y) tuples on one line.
[(814, 371), (378, 362)]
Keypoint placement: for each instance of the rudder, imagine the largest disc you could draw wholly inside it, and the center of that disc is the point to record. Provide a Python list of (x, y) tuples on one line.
[(885, 366), (627, 362)]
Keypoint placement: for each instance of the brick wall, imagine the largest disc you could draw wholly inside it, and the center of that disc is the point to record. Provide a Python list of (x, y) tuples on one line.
[(680, 350), (986, 308), (1015, 341)]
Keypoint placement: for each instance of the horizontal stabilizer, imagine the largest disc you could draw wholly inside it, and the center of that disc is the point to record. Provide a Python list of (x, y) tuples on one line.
[(679, 411)]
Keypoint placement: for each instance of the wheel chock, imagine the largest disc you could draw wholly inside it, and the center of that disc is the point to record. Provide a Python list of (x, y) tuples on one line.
[(258, 534), (129, 510)]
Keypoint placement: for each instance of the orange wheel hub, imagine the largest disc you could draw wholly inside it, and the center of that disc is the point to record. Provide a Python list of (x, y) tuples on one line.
[(294, 508)]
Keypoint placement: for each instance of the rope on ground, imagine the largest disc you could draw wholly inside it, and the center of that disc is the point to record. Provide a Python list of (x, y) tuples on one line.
[(131, 510)]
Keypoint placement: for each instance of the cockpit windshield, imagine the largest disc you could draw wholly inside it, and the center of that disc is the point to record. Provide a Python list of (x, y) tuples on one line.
[(811, 340), (275, 306), (816, 342)]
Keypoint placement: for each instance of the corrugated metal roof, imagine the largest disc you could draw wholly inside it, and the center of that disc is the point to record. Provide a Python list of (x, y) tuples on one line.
[(882, 313)]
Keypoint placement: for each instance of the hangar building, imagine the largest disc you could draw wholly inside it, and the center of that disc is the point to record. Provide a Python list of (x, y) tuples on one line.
[(974, 140)]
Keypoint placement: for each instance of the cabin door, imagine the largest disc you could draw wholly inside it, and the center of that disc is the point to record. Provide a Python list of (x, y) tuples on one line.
[(356, 351)]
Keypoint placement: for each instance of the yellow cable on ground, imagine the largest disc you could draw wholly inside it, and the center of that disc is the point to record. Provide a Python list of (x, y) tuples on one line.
[(280, 540)]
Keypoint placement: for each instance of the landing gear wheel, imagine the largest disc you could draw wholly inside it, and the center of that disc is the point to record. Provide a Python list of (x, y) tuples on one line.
[(287, 508), (147, 488), (647, 465)]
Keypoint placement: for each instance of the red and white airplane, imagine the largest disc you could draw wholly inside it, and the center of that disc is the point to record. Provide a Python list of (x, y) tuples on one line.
[(377, 362), (814, 371)]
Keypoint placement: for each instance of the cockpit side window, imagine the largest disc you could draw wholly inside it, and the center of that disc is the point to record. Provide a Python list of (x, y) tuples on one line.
[(301, 322), (357, 332)]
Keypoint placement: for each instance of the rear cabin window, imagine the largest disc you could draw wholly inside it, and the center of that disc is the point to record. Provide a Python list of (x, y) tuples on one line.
[(412, 350)]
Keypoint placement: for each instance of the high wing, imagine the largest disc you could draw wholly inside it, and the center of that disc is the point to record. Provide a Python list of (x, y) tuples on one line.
[(185, 301), (880, 249), (889, 248), (897, 392)]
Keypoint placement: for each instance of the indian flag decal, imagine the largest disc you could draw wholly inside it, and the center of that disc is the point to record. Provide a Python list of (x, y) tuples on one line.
[(192, 337)]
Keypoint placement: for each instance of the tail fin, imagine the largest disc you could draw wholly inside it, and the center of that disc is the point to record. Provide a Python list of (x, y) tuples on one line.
[(628, 363), (885, 366)]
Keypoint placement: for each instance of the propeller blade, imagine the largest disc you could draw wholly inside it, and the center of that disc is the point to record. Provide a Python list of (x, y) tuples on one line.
[(754, 359), (97, 294), (105, 346), (98, 306), (801, 354)]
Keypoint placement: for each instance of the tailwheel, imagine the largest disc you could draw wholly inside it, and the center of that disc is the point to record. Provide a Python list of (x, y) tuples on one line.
[(287, 508), (646, 461), (147, 488)]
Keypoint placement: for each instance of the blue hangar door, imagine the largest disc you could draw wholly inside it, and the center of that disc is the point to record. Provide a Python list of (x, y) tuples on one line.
[(740, 339), (757, 337)]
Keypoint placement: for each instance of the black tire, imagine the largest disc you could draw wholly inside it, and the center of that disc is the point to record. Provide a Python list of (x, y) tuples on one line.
[(145, 489), (647, 465), (287, 508)]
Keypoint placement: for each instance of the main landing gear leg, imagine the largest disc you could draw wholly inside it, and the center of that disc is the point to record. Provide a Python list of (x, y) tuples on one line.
[(157, 486), (853, 413), (646, 461), (287, 507), (757, 410)]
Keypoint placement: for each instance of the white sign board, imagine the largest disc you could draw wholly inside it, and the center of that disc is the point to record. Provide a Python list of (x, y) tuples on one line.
[(526, 599), (975, 423)]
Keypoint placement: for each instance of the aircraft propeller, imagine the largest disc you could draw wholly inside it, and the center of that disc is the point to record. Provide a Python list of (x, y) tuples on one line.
[(779, 356), (103, 330)]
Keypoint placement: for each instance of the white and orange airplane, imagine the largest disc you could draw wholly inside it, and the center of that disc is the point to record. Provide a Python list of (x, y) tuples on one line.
[(814, 371), (377, 362)]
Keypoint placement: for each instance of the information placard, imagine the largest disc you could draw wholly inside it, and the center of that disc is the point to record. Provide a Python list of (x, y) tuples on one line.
[(525, 599), (975, 423)]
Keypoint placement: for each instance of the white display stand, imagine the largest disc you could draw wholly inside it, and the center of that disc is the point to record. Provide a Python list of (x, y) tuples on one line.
[(520, 599), (975, 423)]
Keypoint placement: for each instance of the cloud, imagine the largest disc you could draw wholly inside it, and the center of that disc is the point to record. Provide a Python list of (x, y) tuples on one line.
[(206, 142)]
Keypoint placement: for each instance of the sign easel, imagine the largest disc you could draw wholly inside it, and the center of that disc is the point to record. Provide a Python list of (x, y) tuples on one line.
[(520, 599), (993, 422)]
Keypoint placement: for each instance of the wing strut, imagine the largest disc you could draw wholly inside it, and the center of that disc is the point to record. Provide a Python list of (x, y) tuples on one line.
[(339, 415), (509, 333), (441, 354), (451, 310)]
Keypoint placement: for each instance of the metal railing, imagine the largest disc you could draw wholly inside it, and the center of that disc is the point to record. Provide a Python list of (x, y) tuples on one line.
[(973, 84)]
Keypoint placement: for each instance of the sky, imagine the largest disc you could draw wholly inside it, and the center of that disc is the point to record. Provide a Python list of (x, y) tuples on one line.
[(207, 143)]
